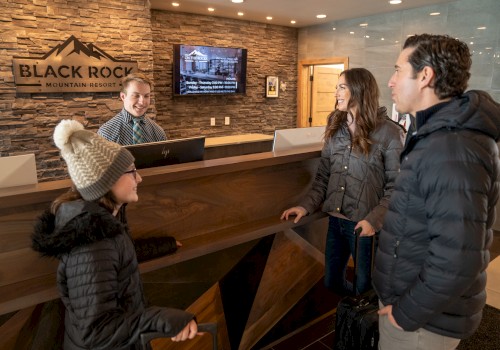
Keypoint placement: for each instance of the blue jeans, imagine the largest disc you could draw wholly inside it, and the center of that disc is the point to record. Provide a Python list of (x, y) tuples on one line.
[(340, 242)]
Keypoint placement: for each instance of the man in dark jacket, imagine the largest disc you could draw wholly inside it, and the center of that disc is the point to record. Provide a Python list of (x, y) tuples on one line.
[(433, 250)]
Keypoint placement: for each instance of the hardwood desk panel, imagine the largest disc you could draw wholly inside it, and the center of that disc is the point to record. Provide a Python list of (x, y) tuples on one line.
[(205, 204)]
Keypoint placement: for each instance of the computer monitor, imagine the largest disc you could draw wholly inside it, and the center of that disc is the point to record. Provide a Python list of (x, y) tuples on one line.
[(286, 139), (18, 171), (153, 154)]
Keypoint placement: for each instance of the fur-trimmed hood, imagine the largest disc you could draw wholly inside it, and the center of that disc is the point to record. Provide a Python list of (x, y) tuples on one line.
[(76, 224)]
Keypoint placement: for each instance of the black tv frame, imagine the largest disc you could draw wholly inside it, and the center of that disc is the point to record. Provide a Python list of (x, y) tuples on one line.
[(220, 77)]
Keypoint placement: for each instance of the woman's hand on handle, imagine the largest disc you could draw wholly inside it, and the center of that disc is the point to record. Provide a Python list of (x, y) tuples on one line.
[(188, 332), (299, 212), (366, 228)]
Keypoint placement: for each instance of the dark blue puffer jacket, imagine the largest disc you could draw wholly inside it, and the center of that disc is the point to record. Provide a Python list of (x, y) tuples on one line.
[(433, 248)]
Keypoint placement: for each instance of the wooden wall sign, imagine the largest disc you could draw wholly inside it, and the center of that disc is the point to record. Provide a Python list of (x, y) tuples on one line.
[(71, 67)]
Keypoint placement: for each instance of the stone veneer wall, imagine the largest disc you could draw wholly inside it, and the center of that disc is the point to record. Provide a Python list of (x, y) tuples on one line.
[(122, 28), (272, 50), (31, 28)]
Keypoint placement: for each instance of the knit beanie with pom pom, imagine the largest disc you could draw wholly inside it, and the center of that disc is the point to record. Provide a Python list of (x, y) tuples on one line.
[(94, 163)]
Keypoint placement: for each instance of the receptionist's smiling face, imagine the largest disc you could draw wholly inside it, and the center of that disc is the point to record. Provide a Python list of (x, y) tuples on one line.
[(137, 98)]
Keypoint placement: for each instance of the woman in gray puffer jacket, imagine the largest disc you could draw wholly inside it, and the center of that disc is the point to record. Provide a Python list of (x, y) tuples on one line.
[(98, 275), (358, 166)]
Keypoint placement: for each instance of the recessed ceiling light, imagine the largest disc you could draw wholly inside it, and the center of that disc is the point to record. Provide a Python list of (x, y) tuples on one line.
[(334, 28), (175, 4), (395, 2), (237, 1), (434, 13), (351, 32), (367, 36), (321, 16), (269, 18), (481, 28), (240, 13), (382, 38), (211, 9), (472, 43), (488, 48), (363, 24), (293, 21)]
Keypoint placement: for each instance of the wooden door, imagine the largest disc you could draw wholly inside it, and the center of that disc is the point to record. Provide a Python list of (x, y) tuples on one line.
[(317, 79), (324, 83)]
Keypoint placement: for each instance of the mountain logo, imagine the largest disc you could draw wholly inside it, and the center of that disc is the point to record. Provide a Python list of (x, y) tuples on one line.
[(71, 67)]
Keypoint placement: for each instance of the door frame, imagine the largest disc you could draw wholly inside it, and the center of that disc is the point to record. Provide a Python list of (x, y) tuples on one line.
[(302, 84)]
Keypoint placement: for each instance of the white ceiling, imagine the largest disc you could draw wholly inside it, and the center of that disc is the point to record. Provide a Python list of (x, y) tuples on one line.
[(283, 11)]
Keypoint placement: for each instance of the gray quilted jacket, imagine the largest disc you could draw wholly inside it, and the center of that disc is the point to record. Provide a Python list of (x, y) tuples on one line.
[(355, 185)]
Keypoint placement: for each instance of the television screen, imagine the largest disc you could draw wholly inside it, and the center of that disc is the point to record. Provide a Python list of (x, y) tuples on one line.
[(200, 70)]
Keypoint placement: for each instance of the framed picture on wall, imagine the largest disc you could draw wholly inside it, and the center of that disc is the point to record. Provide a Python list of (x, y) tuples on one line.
[(272, 86)]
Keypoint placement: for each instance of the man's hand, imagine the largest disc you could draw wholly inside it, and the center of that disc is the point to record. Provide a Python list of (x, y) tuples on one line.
[(387, 310)]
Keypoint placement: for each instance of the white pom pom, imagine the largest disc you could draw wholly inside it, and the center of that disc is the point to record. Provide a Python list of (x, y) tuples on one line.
[(64, 130)]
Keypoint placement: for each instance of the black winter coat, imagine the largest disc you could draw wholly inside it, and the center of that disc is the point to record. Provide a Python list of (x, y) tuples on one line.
[(98, 279), (433, 248)]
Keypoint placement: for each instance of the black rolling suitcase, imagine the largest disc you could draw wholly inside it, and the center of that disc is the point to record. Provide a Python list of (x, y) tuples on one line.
[(356, 323), (202, 327)]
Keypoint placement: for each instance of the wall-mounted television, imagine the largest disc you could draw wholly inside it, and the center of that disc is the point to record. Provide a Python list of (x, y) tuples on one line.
[(209, 70)]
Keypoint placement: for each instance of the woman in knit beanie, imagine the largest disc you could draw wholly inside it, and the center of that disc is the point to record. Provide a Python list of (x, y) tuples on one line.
[(98, 275)]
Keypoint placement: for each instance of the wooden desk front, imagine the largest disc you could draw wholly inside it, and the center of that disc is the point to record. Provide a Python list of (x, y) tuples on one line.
[(208, 206)]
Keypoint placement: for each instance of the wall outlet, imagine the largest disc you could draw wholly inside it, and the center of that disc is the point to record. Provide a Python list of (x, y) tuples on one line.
[(212, 121), (226, 121)]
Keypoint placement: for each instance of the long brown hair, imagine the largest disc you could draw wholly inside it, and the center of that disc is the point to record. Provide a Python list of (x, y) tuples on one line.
[(108, 201), (364, 96)]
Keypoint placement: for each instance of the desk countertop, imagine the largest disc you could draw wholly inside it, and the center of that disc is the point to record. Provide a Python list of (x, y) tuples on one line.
[(234, 139)]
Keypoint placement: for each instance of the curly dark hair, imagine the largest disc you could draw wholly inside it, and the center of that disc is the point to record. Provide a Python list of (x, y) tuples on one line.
[(449, 58), (364, 95)]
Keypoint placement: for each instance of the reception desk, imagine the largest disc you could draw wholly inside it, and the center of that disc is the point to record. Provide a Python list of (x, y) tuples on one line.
[(209, 206), (236, 145)]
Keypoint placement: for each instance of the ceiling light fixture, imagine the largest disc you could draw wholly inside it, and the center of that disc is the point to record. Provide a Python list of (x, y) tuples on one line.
[(434, 13), (321, 16), (363, 24), (237, 1), (240, 13), (175, 4), (269, 18), (334, 28), (211, 9), (351, 32), (395, 2), (293, 21), (481, 28)]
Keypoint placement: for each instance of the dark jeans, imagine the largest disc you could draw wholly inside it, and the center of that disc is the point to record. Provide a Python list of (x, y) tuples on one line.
[(340, 242)]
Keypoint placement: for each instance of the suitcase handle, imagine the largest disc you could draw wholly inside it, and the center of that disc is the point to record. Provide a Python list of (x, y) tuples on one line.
[(202, 327), (357, 232)]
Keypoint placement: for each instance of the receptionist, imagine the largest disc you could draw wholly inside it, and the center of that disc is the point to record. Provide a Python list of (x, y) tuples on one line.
[(131, 125)]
